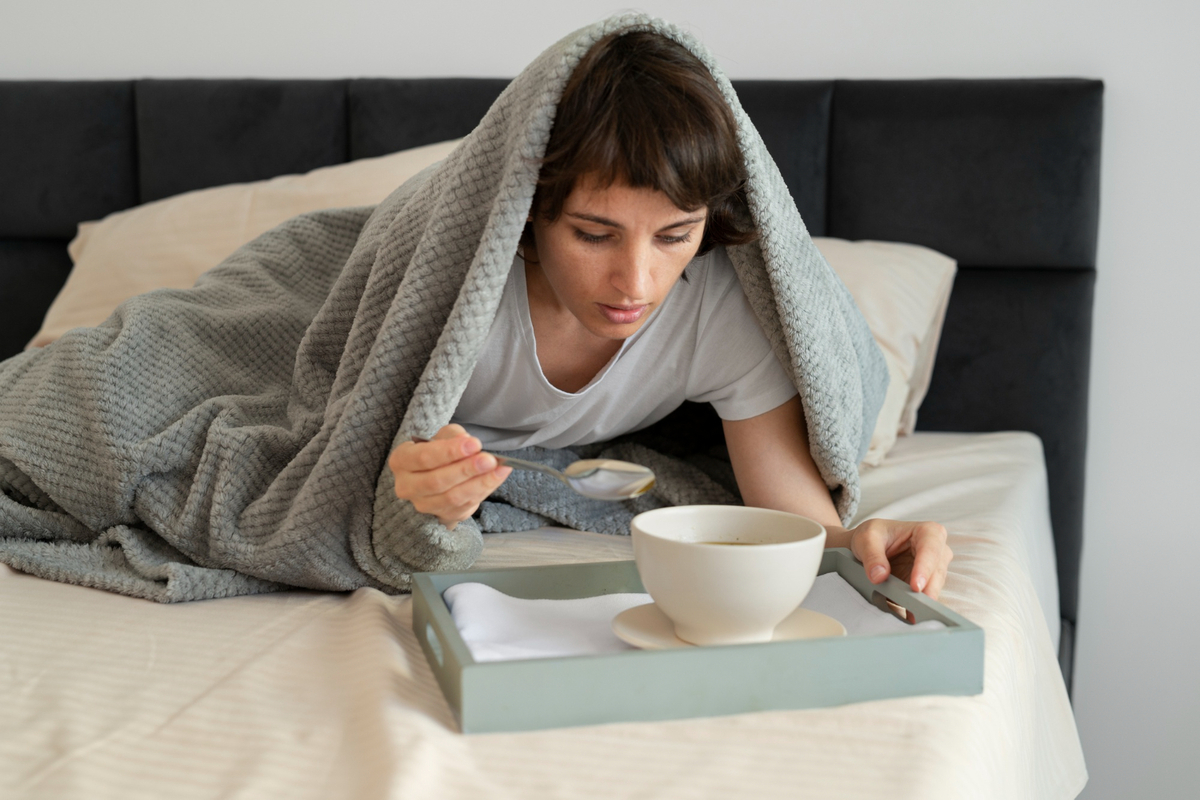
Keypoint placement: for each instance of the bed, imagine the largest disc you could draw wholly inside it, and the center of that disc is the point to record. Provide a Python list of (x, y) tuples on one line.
[(306, 694)]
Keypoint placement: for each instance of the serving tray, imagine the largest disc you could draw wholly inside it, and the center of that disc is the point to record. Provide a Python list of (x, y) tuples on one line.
[(645, 685)]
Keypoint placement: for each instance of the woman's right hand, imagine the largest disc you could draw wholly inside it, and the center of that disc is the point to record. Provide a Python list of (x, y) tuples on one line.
[(447, 476)]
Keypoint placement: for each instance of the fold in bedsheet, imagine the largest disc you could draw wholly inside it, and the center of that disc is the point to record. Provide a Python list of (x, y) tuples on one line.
[(325, 696)]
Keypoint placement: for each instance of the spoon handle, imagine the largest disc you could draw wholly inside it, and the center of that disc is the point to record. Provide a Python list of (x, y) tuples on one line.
[(515, 463)]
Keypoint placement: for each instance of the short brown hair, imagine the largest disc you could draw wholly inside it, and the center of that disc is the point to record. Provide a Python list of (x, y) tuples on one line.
[(641, 109)]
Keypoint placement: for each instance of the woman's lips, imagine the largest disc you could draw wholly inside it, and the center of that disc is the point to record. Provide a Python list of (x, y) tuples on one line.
[(622, 315)]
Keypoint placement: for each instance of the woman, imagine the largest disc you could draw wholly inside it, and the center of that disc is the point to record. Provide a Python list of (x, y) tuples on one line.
[(642, 184)]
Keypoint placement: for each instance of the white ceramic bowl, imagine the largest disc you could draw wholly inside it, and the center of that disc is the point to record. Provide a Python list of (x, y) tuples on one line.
[(718, 594)]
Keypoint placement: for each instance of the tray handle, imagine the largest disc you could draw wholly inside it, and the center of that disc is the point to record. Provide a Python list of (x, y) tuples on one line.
[(895, 609), (435, 644)]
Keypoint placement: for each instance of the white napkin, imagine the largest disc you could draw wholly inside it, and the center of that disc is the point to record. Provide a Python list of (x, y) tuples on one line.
[(497, 627)]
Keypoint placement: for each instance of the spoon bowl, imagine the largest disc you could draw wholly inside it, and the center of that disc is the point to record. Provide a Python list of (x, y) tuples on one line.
[(598, 478)]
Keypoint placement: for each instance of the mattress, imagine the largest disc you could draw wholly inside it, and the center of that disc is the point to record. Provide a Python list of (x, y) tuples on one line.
[(315, 695)]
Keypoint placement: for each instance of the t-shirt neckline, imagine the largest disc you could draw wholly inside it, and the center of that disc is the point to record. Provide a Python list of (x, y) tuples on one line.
[(526, 325)]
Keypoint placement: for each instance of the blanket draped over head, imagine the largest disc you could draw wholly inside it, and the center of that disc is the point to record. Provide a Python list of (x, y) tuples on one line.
[(232, 438)]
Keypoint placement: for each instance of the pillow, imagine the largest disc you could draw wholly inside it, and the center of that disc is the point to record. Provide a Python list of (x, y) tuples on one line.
[(171, 242), (903, 291)]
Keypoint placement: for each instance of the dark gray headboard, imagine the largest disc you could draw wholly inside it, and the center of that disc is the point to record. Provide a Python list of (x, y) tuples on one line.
[(1002, 175)]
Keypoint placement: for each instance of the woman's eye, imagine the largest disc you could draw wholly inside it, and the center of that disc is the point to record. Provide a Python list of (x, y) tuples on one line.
[(680, 239), (590, 238)]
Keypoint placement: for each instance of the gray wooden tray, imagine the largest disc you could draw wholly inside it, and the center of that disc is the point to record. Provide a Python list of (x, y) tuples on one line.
[(694, 682)]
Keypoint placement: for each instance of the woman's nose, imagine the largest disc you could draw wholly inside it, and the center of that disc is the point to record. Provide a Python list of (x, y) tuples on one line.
[(632, 273)]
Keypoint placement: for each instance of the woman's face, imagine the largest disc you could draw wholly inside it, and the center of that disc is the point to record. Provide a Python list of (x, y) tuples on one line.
[(612, 255)]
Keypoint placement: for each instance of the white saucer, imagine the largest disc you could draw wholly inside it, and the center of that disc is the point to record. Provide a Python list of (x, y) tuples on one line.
[(649, 628)]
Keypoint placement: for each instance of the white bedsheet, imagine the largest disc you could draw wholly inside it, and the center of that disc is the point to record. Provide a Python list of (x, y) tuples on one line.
[(986, 482), (310, 695)]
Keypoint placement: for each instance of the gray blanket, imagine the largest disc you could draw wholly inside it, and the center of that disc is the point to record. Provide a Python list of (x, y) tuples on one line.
[(232, 438)]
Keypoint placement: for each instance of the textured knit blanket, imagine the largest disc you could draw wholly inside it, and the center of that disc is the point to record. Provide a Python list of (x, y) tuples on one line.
[(232, 438)]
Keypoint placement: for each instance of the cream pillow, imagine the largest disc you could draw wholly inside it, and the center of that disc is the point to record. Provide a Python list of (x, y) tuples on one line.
[(903, 291), (171, 242)]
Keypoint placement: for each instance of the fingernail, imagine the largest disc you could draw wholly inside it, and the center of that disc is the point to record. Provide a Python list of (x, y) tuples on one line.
[(485, 463), (920, 583), (877, 572)]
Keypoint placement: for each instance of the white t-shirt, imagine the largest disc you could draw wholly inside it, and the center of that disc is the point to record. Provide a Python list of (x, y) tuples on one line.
[(702, 344)]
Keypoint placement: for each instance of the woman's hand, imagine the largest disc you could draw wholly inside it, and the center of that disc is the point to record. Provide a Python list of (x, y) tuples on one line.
[(915, 552), (447, 476), (774, 469)]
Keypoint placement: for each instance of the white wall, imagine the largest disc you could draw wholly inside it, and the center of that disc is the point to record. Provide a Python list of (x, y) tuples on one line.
[(1137, 685)]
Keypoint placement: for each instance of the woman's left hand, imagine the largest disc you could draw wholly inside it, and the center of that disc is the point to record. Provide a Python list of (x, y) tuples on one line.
[(775, 469), (915, 552)]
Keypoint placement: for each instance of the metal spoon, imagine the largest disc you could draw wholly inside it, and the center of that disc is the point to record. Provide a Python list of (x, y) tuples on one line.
[(598, 478)]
